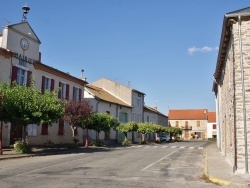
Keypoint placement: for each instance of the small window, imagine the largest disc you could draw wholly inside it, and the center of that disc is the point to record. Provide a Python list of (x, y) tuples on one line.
[(32, 130), (214, 126), (177, 123), (198, 124), (123, 117)]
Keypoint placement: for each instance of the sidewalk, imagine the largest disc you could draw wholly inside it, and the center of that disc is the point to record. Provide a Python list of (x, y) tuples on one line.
[(219, 170)]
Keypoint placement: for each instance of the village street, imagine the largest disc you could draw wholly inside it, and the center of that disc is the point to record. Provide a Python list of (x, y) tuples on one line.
[(160, 165)]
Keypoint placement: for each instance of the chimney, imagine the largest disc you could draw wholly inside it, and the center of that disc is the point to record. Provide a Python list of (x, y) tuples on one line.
[(82, 76)]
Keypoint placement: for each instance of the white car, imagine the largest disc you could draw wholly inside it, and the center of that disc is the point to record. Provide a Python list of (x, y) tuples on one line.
[(164, 138)]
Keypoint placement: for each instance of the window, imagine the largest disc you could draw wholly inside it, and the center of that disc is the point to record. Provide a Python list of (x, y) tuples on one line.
[(32, 130), (177, 123), (139, 117), (61, 127), (21, 75), (198, 124), (214, 126), (123, 117), (138, 102), (47, 84), (64, 91), (147, 118), (77, 93), (44, 130), (186, 124)]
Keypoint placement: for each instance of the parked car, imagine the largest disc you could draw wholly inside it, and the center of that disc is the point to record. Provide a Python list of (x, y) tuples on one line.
[(164, 138)]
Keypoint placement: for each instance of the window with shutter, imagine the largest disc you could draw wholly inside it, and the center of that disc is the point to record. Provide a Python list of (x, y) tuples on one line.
[(61, 127), (44, 130)]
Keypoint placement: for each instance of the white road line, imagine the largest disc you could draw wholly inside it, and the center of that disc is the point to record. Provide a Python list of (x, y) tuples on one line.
[(200, 147), (173, 146), (182, 147), (191, 147), (164, 146), (158, 160)]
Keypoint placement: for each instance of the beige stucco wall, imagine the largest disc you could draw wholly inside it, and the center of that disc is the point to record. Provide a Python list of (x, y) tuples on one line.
[(120, 91)]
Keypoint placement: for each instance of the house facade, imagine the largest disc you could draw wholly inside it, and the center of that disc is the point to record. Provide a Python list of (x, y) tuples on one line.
[(193, 122), (19, 59), (130, 96), (211, 125), (232, 91), (104, 102)]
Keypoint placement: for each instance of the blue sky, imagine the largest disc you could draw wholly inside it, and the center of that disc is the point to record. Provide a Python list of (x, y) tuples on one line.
[(165, 48)]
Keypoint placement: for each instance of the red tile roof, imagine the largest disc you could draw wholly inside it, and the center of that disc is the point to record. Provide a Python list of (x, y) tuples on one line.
[(200, 114), (211, 117)]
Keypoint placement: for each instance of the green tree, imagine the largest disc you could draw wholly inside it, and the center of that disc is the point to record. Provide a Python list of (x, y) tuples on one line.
[(27, 105), (127, 127), (101, 122), (145, 128), (174, 132)]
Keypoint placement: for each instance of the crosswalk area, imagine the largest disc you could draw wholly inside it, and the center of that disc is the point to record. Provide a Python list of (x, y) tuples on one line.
[(165, 146)]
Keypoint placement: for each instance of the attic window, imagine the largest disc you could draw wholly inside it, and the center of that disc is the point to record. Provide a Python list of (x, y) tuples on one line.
[(139, 95)]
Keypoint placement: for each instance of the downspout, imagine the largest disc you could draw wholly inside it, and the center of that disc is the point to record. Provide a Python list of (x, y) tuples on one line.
[(234, 113), (243, 95)]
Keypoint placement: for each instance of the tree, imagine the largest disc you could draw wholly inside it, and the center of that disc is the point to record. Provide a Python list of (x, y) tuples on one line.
[(101, 122), (145, 128), (76, 112), (27, 105), (127, 127), (174, 132)]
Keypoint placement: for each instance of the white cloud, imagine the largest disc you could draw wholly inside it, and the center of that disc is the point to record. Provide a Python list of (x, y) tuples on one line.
[(204, 49)]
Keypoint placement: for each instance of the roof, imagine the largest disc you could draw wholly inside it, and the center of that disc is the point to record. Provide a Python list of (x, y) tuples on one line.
[(190, 114), (211, 117), (229, 19), (154, 110), (46, 68), (13, 26), (104, 95)]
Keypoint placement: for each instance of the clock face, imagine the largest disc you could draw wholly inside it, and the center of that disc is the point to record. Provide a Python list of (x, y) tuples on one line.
[(24, 44)]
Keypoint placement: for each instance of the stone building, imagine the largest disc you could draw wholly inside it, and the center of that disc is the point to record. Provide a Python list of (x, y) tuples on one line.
[(232, 89), (193, 122)]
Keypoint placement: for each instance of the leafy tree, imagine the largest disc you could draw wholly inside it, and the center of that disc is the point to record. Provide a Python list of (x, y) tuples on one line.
[(76, 112), (101, 122), (174, 132), (127, 127), (145, 128), (28, 105)]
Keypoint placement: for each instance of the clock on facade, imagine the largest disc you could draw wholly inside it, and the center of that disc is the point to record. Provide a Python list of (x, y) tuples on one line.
[(24, 44)]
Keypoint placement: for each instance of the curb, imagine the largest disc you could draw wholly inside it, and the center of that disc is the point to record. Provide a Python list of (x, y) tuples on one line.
[(213, 179)]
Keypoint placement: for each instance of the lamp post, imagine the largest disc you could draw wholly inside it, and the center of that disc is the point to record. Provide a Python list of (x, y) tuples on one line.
[(1, 130)]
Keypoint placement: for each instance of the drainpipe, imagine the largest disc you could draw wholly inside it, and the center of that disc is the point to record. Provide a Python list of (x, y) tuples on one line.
[(243, 95)]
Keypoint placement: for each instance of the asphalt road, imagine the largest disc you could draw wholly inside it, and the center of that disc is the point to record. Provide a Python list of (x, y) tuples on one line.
[(162, 165)]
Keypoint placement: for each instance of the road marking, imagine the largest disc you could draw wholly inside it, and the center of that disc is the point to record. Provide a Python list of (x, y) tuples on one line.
[(173, 146), (191, 147), (159, 160), (182, 147), (200, 147)]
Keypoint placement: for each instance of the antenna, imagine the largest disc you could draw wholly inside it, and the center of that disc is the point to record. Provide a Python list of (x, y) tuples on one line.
[(6, 20), (25, 12)]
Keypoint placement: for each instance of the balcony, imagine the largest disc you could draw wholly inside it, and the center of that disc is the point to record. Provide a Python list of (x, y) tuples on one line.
[(186, 128)]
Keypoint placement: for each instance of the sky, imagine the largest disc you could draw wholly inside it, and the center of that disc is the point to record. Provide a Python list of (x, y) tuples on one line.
[(166, 49)]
